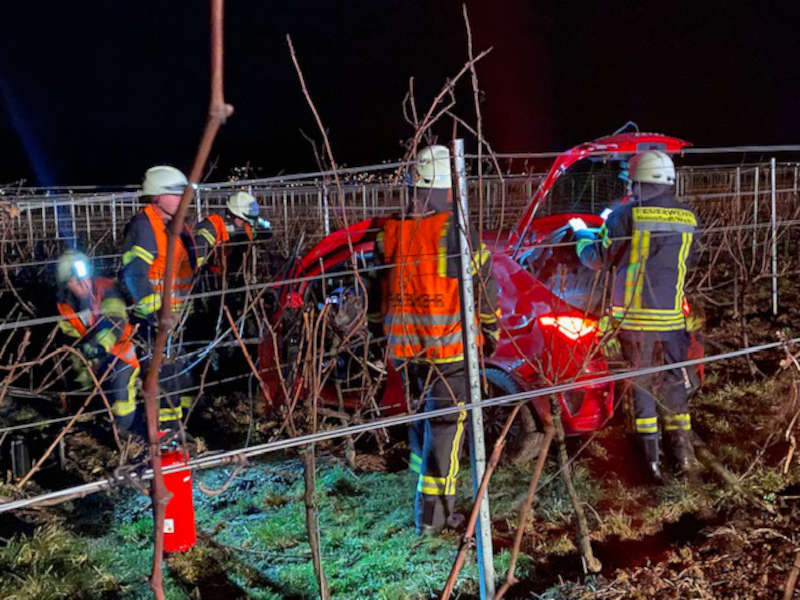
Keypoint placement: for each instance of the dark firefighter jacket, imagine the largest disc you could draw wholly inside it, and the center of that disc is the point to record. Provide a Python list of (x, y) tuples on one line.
[(144, 262), (421, 300), (100, 319), (213, 230), (648, 244)]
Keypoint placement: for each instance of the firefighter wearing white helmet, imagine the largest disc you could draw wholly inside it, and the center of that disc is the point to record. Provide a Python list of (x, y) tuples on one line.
[(653, 166), (93, 317), (235, 225), (648, 244), (144, 261), (432, 168), (425, 336)]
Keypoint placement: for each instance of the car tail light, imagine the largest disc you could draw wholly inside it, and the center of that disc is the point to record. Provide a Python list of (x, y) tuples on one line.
[(572, 327)]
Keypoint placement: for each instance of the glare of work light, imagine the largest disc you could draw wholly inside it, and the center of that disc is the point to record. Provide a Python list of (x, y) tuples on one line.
[(81, 269)]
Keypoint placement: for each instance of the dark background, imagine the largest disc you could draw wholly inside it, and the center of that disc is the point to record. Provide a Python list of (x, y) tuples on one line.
[(96, 92)]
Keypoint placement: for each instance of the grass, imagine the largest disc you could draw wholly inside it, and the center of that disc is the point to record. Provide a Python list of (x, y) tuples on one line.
[(53, 563), (369, 547)]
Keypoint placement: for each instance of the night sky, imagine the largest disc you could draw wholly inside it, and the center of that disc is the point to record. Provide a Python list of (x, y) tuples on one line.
[(95, 92)]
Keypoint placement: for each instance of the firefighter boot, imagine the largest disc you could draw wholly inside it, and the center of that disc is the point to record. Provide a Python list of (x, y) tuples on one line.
[(455, 520), (683, 451), (429, 514), (651, 457)]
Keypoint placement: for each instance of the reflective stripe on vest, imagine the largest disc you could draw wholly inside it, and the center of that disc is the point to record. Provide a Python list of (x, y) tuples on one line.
[(423, 306), (182, 278)]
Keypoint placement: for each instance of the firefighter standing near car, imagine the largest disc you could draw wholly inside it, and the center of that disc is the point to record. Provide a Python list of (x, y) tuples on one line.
[(422, 319), (93, 312), (649, 243), (144, 262)]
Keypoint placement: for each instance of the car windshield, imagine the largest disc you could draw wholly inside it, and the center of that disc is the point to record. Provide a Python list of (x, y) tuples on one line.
[(588, 186)]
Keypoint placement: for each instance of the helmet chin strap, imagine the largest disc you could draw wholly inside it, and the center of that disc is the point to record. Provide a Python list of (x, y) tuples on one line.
[(171, 215)]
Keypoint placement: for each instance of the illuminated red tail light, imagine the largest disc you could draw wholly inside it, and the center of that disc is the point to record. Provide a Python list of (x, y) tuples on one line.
[(572, 327)]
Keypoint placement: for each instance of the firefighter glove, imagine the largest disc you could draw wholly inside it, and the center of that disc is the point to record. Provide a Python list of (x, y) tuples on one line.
[(577, 224), (90, 350)]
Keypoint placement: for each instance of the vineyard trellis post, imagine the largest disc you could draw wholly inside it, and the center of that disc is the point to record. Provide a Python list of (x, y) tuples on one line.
[(774, 236), (477, 453)]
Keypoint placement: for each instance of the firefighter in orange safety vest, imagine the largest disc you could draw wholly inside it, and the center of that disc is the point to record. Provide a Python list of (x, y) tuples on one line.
[(237, 224), (421, 309), (144, 262), (93, 312)]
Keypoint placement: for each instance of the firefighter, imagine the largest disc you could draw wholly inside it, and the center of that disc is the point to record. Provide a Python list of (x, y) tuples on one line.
[(422, 319), (240, 218), (93, 312), (648, 243), (142, 276)]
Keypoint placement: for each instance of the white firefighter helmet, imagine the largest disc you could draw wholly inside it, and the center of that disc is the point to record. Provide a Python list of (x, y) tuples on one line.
[(72, 264), (653, 166), (243, 205), (432, 169), (162, 180)]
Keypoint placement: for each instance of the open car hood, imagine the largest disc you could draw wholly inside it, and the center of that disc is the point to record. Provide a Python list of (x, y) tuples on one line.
[(617, 145)]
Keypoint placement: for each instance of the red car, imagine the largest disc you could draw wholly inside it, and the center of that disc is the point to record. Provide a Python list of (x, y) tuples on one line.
[(550, 302)]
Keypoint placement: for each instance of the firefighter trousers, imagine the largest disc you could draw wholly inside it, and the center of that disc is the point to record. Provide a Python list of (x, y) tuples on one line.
[(175, 379), (119, 387), (661, 394), (435, 443)]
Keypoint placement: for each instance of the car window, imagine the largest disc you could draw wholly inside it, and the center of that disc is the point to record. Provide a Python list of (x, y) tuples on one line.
[(588, 186)]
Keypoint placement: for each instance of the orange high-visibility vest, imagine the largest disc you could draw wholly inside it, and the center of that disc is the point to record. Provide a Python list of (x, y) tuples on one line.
[(182, 273), (221, 231), (422, 306), (83, 321)]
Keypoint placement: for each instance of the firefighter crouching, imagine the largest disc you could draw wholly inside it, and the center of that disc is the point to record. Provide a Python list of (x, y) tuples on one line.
[(93, 311), (649, 243), (422, 319), (144, 262)]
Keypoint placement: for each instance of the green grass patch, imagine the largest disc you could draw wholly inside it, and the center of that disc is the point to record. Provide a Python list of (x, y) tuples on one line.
[(53, 563)]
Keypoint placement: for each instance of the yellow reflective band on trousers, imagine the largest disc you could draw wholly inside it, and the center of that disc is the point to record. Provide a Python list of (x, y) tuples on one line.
[(445, 486), (647, 425), (680, 421), (122, 408), (170, 414)]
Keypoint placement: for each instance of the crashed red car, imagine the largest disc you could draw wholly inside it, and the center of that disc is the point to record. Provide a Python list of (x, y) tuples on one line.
[(551, 304)]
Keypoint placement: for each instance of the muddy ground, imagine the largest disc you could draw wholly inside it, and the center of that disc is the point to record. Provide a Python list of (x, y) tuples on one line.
[(705, 538)]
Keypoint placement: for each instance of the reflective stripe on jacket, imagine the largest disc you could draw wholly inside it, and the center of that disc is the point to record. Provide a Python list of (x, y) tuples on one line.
[(146, 241), (213, 231), (648, 243), (107, 318), (422, 306)]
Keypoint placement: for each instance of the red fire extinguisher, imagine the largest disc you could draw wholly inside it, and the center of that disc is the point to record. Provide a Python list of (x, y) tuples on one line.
[(179, 526)]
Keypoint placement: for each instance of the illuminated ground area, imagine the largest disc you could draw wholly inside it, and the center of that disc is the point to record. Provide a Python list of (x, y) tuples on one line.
[(253, 541)]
